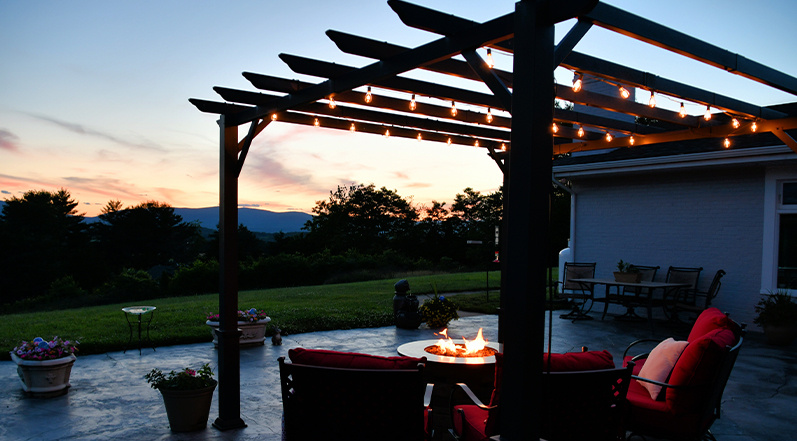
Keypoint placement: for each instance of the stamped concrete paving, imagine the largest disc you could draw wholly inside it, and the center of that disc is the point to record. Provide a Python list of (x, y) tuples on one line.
[(110, 399)]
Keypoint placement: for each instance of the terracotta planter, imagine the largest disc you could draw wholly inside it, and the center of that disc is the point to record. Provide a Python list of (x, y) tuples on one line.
[(187, 410), (47, 378), (253, 333), (627, 277), (782, 335)]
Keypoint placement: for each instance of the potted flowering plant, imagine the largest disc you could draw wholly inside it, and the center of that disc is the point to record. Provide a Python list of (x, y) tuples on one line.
[(626, 272), (438, 311), (252, 323), (44, 366), (776, 313), (187, 395)]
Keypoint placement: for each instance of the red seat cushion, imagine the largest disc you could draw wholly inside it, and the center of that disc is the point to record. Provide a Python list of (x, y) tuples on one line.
[(579, 361), (471, 424), (709, 320), (350, 360)]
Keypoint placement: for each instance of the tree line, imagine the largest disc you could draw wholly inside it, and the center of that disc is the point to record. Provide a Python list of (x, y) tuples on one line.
[(51, 257)]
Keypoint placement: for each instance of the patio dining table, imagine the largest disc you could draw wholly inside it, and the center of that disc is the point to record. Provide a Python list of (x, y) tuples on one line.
[(643, 295)]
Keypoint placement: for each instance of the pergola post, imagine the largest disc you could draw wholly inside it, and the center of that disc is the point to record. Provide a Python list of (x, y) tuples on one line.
[(527, 187), (229, 362)]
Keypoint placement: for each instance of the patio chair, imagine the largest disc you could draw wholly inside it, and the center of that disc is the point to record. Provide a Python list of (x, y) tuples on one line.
[(584, 399), (342, 395), (580, 295), (679, 274), (630, 297), (677, 389), (698, 301)]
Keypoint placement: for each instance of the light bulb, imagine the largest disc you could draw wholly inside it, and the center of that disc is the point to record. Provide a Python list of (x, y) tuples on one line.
[(489, 61), (555, 128), (580, 131), (332, 104), (577, 83), (448, 141), (503, 147), (652, 100), (735, 122), (489, 116), (419, 137), (368, 96), (631, 140), (682, 112), (726, 143), (624, 92), (608, 137), (754, 126), (453, 109), (387, 133), (413, 105), (476, 144), (707, 115), (316, 122), (351, 129), (273, 116)]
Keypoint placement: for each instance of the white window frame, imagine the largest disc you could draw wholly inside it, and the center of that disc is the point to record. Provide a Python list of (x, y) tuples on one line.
[(773, 208)]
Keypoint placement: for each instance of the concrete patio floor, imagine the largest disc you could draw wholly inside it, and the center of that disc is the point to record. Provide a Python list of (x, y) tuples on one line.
[(110, 399)]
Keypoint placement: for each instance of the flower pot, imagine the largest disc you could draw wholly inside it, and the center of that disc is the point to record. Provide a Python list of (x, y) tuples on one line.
[(253, 333), (627, 277), (780, 335), (187, 410), (46, 378)]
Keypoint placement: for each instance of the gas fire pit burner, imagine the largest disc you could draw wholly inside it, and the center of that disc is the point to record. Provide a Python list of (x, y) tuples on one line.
[(420, 349)]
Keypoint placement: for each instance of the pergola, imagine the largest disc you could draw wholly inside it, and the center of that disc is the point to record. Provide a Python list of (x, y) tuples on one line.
[(344, 100)]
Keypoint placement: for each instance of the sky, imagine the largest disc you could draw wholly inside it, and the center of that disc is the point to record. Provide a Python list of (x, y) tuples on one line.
[(94, 94)]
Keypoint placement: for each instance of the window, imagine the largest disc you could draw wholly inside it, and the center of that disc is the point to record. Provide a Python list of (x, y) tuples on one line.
[(787, 236)]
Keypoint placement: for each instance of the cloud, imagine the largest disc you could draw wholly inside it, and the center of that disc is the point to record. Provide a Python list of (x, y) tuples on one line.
[(83, 130), (8, 141)]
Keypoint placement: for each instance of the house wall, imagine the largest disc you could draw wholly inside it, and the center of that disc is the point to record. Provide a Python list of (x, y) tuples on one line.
[(694, 218)]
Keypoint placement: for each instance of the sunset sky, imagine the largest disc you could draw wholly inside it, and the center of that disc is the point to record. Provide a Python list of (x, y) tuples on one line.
[(94, 94)]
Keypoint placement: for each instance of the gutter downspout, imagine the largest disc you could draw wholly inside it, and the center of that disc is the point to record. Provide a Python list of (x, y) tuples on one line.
[(572, 242)]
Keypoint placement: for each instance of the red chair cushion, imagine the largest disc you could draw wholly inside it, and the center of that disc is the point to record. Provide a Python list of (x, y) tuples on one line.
[(471, 424), (350, 360), (579, 361), (709, 320)]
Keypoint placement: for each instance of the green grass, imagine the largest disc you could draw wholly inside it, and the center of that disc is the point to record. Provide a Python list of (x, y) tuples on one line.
[(181, 320)]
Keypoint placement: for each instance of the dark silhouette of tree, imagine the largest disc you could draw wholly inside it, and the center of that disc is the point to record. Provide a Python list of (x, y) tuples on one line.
[(249, 246), (43, 238)]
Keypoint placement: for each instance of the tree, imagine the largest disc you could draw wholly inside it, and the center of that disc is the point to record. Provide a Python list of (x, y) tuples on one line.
[(363, 218), (44, 238)]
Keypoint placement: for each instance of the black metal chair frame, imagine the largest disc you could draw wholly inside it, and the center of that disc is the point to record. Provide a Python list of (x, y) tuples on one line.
[(353, 404), (690, 301), (576, 292), (630, 301), (668, 304)]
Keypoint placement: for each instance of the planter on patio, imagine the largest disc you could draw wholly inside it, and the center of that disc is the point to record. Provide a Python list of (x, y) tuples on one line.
[(253, 333), (46, 378), (188, 410), (627, 277)]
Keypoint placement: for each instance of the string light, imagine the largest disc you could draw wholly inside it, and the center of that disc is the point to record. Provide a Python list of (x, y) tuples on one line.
[(624, 92), (332, 104), (448, 141), (608, 137), (476, 144), (387, 133), (453, 108), (754, 126), (273, 116), (489, 61), (503, 147), (727, 143), (735, 122), (419, 137), (316, 122), (707, 115), (682, 112), (652, 100), (580, 131), (368, 96), (489, 116), (577, 83), (413, 105), (631, 140), (555, 128), (351, 129)]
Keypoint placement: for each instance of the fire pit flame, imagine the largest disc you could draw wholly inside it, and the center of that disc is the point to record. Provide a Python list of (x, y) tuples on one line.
[(473, 348)]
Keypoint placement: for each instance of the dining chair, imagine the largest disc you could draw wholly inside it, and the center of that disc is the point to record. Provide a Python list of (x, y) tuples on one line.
[(680, 274), (580, 295)]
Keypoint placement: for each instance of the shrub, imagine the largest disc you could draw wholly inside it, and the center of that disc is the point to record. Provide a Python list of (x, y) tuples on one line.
[(129, 285), (198, 277)]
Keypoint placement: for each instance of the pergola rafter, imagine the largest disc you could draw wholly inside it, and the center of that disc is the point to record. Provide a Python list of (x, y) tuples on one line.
[(528, 94)]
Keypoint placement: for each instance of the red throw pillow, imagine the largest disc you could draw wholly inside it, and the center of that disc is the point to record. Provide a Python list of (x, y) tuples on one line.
[(709, 320), (351, 360), (578, 361)]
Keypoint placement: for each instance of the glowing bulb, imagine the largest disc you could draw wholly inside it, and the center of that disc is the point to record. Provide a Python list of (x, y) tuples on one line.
[(652, 100), (453, 109), (273, 116), (735, 122), (387, 133), (577, 83), (682, 112), (413, 105), (332, 104), (631, 140), (580, 131), (707, 115), (555, 128), (608, 137), (489, 116), (351, 129), (489, 61), (447, 141), (476, 144), (419, 137), (726, 143), (316, 122), (754, 126), (624, 92), (368, 96), (503, 146)]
